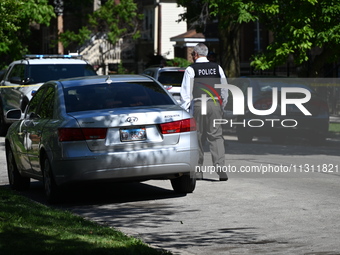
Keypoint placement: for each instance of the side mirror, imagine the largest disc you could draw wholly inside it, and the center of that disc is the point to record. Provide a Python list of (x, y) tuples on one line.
[(27, 81), (15, 80), (14, 114)]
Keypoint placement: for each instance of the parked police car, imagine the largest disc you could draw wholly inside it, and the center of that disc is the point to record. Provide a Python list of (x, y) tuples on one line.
[(28, 74)]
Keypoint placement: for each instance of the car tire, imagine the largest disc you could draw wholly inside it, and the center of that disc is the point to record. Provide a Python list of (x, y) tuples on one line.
[(16, 180), (183, 184), (50, 187)]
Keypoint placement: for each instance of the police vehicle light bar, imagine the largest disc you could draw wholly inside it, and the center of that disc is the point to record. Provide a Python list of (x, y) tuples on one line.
[(52, 56)]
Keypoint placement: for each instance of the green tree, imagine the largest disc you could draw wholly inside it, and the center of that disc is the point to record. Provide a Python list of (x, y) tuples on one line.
[(114, 20), (230, 15), (17, 17), (180, 62), (308, 31)]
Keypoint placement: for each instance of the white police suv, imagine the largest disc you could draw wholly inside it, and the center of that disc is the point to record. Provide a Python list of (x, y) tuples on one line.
[(28, 74)]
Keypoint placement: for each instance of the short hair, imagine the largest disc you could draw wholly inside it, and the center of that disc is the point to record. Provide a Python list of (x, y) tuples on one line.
[(201, 49)]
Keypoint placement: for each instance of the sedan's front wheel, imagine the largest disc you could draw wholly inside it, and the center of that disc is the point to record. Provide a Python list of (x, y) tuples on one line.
[(16, 180), (51, 189), (183, 184)]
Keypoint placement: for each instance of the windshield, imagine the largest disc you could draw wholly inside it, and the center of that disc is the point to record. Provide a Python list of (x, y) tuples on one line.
[(115, 95), (171, 78), (43, 73)]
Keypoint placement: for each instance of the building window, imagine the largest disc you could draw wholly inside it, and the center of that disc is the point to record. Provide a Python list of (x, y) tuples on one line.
[(148, 24)]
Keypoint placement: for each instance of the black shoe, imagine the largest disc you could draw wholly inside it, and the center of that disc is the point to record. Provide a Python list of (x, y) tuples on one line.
[(223, 179)]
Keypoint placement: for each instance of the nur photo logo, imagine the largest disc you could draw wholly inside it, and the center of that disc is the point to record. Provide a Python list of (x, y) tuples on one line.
[(283, 96), (213, 94)]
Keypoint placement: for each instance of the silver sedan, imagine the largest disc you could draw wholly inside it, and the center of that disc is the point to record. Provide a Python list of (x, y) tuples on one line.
[(118, 128)]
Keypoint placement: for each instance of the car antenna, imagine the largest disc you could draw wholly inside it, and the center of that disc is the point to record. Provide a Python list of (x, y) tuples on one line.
[(108, 80)]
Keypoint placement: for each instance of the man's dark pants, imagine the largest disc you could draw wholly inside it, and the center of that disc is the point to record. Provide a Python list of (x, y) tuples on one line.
[(207, 132)]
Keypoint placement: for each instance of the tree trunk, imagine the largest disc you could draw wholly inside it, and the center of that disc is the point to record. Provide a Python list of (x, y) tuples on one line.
[(230, 48)]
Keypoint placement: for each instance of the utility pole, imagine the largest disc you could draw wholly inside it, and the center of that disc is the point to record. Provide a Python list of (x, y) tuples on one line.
[(59, 10)]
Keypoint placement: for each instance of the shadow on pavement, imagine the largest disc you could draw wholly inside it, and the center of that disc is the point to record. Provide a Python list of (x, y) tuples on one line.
[(102, 193)]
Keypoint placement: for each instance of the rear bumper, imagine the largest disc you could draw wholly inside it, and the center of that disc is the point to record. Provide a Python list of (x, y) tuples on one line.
[(131, 165)]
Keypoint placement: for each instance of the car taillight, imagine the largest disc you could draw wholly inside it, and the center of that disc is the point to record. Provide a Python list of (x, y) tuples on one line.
[(79, 134), (178, 126)]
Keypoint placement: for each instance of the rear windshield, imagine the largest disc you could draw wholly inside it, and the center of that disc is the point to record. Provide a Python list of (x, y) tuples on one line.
[(171, 78), (43, 73), (115, 95)]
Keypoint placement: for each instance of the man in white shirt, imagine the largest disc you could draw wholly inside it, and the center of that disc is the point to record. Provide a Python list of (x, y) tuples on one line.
[(200, 97)]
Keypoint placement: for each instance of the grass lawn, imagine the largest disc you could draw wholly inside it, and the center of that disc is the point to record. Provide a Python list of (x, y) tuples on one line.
[(334, 127), (27, 227)]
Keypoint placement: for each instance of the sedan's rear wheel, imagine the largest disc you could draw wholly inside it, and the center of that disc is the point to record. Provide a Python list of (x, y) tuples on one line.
[(51, 189), (16, 180), (183, 184)]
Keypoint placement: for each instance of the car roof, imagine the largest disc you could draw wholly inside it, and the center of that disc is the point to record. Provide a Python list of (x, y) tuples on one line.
[(88, 80), (167, 68), (50, 59)]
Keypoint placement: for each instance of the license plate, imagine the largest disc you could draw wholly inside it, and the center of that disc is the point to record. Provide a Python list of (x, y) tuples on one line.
[(132, 134)]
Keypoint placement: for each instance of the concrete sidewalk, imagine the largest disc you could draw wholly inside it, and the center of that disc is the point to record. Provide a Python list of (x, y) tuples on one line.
[(334, 119)]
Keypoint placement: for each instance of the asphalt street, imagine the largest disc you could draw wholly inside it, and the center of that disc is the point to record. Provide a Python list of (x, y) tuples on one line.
[(283, 212)]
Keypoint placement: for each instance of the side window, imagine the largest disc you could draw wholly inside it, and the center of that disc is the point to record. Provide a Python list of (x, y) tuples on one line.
[(46, 107), (17, 71), (33, 105), (42, 104), (89, 71)]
